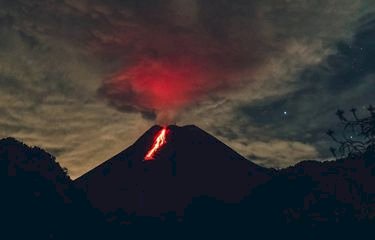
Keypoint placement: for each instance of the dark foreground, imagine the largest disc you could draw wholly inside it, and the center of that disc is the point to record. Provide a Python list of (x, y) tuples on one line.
[(199, 195)]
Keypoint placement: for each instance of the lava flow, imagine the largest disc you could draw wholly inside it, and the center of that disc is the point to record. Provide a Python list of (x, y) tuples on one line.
[(159, 141)]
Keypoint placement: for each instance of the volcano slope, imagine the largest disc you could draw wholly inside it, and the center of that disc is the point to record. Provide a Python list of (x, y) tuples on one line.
[(192, 164)]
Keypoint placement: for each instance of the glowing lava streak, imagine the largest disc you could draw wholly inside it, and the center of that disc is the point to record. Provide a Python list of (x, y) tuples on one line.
[(159, 141)]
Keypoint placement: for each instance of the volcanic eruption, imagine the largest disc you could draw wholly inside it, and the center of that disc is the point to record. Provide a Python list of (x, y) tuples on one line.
[(159, 141), (191, 165)]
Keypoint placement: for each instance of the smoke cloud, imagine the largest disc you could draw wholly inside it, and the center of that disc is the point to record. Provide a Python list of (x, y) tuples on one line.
[(181, 53), (175, 53)]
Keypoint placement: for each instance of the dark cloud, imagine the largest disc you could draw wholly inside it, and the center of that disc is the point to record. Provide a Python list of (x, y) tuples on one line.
[(231, 67), (177, 53), (345, 79), (175, 62)]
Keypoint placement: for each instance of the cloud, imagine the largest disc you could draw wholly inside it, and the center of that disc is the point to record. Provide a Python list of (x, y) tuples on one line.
[(176, 56), (230, 67), (277, 153), (165, 56), (48, 99), (343, 79)]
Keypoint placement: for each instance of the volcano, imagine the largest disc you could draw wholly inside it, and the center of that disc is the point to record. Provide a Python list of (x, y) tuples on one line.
[(191, 164)]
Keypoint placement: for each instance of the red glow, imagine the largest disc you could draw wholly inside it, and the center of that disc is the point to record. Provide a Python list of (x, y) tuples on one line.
[(168, 67), (163, 85), (159, 141)]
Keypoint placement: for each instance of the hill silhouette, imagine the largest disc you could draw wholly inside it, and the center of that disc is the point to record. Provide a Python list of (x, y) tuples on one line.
[(38, 199), (196, 186), (320, 198)]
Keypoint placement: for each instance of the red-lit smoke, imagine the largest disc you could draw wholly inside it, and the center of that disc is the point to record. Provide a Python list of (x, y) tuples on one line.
[(160, 85), (165, 85), (170, 61)]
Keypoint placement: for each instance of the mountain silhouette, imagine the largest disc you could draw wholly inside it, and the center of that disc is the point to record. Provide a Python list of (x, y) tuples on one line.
[(192, 164), (38, 199), (319, 198), (194, 186)]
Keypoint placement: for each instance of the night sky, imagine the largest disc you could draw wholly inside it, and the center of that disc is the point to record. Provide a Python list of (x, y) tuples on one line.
[(84, 79)]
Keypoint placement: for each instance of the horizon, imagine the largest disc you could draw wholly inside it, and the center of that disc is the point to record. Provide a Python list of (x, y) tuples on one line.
[(115, 155)]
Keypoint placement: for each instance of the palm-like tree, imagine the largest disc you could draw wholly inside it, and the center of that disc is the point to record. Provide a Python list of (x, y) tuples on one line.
[(357, 135)]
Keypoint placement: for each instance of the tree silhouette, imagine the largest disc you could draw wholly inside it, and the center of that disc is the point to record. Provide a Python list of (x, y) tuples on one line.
[(357, 136)]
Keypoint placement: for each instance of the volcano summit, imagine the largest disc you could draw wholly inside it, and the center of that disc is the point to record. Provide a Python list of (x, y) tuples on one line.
[(190, 164)]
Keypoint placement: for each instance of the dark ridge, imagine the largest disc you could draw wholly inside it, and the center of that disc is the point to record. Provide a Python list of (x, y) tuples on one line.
[(196, 186), (38, 198), (197, 182)]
